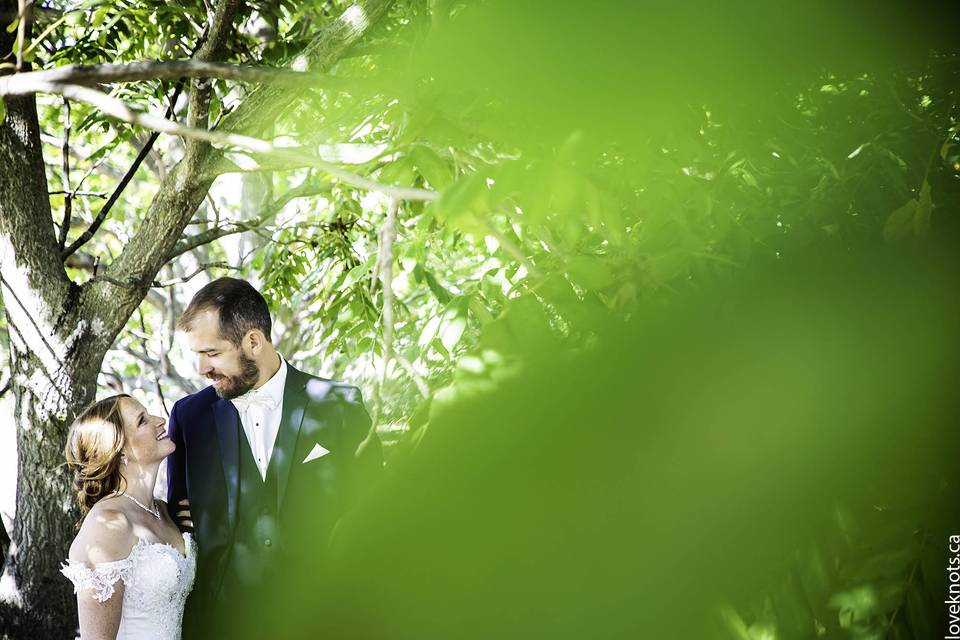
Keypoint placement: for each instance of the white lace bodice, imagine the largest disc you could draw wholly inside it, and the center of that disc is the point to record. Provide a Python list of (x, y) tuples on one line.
[(156, 578)]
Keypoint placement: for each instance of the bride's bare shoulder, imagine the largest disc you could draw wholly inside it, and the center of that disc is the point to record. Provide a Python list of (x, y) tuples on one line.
[(106, 535)]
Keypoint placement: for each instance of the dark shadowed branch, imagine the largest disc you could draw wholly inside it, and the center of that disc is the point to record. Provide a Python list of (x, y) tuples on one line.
[(128, 176)]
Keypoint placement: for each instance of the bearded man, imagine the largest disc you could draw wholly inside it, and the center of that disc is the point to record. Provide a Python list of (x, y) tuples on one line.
[(267, 459)]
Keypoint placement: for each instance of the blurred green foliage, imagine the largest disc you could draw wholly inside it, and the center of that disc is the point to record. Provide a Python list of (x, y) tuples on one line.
[(784, 445), (652, 386)]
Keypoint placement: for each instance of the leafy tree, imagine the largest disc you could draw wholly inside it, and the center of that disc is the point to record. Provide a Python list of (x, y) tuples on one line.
[(60, 330)]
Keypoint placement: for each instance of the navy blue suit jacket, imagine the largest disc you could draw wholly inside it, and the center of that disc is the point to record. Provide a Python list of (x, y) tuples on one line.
[(311, 496)]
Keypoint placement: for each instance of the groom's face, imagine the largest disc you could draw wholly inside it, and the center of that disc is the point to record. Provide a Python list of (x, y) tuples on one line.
[(232, 372)]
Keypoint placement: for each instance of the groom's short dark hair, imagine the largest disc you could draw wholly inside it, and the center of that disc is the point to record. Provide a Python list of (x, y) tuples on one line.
[(240, 307)]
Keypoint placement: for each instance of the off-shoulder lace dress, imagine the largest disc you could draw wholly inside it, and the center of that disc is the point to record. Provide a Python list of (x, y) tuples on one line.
[(156, 578)]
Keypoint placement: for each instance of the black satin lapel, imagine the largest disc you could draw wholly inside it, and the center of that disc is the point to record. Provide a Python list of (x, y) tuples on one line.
[(228, 422), (294, 406)]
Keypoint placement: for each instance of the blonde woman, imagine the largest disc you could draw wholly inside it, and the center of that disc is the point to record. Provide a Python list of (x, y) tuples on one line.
[(130, 566)]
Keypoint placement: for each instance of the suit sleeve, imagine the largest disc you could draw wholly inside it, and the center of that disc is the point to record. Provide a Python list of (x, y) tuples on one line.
[(366, 463), (176, 467)]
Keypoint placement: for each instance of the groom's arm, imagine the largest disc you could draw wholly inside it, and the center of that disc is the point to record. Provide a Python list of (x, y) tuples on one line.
[(366, 463), (178, 499)]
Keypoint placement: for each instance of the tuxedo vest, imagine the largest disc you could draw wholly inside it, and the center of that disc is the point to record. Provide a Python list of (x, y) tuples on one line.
[(257, 535)]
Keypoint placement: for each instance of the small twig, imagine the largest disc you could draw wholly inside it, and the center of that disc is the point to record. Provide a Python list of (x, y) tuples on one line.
[(75, 193), (105, 209), (80, 155), (200, 269), (388, 235), (903, 107), (68, 199), (25, 16), (207, 237), (134, 284), (422, 385), (172, 377), (156, 374), (209, 8), (306, 189), (216, 211)]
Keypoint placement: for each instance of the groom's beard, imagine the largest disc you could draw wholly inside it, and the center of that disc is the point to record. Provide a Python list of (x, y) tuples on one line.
[(238, 385)]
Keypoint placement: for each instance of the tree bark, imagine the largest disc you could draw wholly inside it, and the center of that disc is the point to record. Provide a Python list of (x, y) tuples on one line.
[(60, 332), (36, 296)]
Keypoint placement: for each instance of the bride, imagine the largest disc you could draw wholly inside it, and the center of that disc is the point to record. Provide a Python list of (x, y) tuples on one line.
[(130, 567)]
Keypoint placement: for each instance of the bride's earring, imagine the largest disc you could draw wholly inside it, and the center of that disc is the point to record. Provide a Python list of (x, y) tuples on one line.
[(123, 458)]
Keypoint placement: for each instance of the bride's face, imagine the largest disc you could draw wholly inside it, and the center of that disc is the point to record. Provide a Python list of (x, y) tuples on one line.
[(145, 434)]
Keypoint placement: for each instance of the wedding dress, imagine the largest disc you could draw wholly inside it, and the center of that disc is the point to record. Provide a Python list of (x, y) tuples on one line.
[(156, 578)]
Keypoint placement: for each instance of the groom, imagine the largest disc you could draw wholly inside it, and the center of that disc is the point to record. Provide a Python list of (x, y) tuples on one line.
[(268, 457)]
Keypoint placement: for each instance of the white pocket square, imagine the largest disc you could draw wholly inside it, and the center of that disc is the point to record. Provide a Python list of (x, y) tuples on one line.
[(316, 452)]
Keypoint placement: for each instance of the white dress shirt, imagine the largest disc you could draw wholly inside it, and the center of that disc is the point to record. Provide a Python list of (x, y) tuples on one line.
[(260, 411)]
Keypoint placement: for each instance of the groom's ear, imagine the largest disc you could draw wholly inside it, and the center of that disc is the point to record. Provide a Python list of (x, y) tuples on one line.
[(254, 341)]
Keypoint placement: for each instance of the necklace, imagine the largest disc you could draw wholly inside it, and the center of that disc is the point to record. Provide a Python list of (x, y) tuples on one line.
[(154, 512)]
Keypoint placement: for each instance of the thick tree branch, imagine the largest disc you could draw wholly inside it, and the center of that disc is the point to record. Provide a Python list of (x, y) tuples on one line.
[(186, 184), (28, 244), (100, 74), (212, 49), (177, 198), (118, 109)]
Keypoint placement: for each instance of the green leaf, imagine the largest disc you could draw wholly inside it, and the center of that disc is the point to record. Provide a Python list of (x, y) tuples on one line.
[(399, 172), (452, 332), (899, 222), (3, 110), (99, 16), (458, 203), (432, 167), (429, 331), (443, 296), (359, 271), (480, 312), (921, 219), (590, 273)]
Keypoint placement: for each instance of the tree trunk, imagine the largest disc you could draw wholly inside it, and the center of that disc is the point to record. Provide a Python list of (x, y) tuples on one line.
[(42, 604), (4, 543), (34, 292)]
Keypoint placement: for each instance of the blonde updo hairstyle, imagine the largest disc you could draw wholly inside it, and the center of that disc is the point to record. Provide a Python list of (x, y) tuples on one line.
[(94, 450)]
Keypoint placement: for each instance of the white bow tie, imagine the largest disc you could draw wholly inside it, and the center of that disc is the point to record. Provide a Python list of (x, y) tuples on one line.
[(254, 399)]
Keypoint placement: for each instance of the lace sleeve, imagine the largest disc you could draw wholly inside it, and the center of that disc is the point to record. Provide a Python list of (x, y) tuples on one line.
[(101, 577)]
